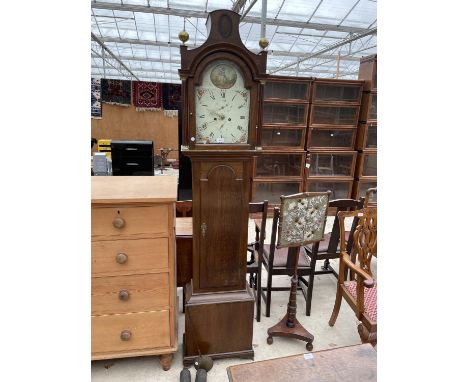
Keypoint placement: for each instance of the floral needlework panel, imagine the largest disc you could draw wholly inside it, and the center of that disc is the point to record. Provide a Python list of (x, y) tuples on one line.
[(302, 220)]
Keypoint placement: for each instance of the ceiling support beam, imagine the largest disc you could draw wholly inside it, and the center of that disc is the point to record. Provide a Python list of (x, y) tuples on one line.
[(143, 70), (175, 72), (263, 19), (103, 46), (331, 47), (204, 15), (191, 46), (248, 10), (237, 6)]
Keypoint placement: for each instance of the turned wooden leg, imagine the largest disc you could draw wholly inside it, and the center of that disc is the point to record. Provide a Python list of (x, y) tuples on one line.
[(366, 336), (166, 361), (336, 308)]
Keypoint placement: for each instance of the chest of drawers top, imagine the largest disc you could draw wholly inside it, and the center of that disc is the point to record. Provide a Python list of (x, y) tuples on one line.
[(133, 189)]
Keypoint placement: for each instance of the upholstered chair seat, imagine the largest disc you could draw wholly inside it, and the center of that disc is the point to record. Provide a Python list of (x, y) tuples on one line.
[(370, 298)]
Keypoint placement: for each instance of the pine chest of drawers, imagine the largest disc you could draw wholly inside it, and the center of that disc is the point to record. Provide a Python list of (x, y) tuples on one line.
[(133, 291)]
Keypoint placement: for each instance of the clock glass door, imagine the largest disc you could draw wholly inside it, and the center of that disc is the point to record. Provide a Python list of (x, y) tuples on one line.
[(222, 105)]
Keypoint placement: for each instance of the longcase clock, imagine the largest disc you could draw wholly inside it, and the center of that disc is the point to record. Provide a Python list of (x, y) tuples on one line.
[(222, 85)]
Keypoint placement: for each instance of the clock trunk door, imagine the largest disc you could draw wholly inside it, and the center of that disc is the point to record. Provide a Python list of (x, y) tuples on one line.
[(223, 208)]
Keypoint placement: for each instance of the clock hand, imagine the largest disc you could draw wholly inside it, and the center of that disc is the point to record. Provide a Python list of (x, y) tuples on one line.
[(221, 116)]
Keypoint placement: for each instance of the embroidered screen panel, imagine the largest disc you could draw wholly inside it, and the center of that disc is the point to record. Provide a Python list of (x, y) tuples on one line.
[(302, 218)]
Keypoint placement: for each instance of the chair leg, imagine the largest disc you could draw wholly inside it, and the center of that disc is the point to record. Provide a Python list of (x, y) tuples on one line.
[(310, 287), (336, 308), (183, 299), (326, 265), (268, 299), (258, 287)]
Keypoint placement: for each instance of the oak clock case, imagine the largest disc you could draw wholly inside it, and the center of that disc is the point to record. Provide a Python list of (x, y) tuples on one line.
[(221, 82)]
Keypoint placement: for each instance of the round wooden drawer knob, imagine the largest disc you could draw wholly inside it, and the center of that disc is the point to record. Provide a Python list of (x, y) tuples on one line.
[(124, 295), (118, 222), (121, 258), (125, 335)]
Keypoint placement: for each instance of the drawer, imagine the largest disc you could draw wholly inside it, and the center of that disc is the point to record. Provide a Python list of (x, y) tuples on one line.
[(146, 330), (141, 221), (126, 294), (119, 257)]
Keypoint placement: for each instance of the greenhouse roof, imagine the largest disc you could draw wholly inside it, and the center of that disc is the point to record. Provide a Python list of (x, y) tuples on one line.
[(138, 39)]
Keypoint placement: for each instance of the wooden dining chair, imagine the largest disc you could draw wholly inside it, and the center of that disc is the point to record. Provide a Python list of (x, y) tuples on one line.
[(184, 208), (328, 247), (277, 262), (360, 290), (255, 249), (371, 197)]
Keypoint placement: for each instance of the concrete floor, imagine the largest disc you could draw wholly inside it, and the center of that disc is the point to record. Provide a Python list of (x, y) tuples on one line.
[(344, 333)]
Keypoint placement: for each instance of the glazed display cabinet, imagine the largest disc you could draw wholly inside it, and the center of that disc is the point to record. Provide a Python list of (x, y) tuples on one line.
[(366, 142)]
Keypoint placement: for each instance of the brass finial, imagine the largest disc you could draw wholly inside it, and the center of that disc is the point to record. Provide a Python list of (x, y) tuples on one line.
[(183, 35), (263, 42)]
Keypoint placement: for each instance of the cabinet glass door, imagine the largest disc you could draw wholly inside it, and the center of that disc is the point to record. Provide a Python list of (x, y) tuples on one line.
[(291, 114), (340, 190), (336, 93), (336, 164), (334, 115), (273, 191), (371, 136), (269, 165), (373, 107), (285, 90), (320, 138), (364, 186), (369, 166), (281, 137)]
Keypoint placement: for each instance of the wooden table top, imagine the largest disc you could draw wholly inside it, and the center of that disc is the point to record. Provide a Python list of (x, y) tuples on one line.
[(184, 227), (133, 189), (348, 364)]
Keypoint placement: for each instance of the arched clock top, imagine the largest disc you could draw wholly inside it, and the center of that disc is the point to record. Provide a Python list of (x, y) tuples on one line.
[(223, 39)]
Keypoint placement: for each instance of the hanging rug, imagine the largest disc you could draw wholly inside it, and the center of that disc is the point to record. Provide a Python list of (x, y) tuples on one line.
[(116, 92), (147, 96)]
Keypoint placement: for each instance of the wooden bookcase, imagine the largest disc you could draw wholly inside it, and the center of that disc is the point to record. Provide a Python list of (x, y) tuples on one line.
[(332, 132), (308, 135), (279, 169), (366, 142)]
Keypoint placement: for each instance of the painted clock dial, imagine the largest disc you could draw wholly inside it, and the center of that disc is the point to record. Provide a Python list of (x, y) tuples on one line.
[(222, 105)]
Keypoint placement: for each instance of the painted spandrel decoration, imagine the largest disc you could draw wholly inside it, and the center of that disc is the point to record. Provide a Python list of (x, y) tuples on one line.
[(302, 218)]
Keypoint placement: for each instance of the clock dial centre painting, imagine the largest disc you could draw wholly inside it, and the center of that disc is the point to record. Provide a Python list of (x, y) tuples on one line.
[(222, 105), (223, 76)]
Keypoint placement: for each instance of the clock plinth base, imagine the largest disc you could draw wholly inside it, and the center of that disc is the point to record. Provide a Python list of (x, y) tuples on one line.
[(219, 325), (190, 360), (282, 329)]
